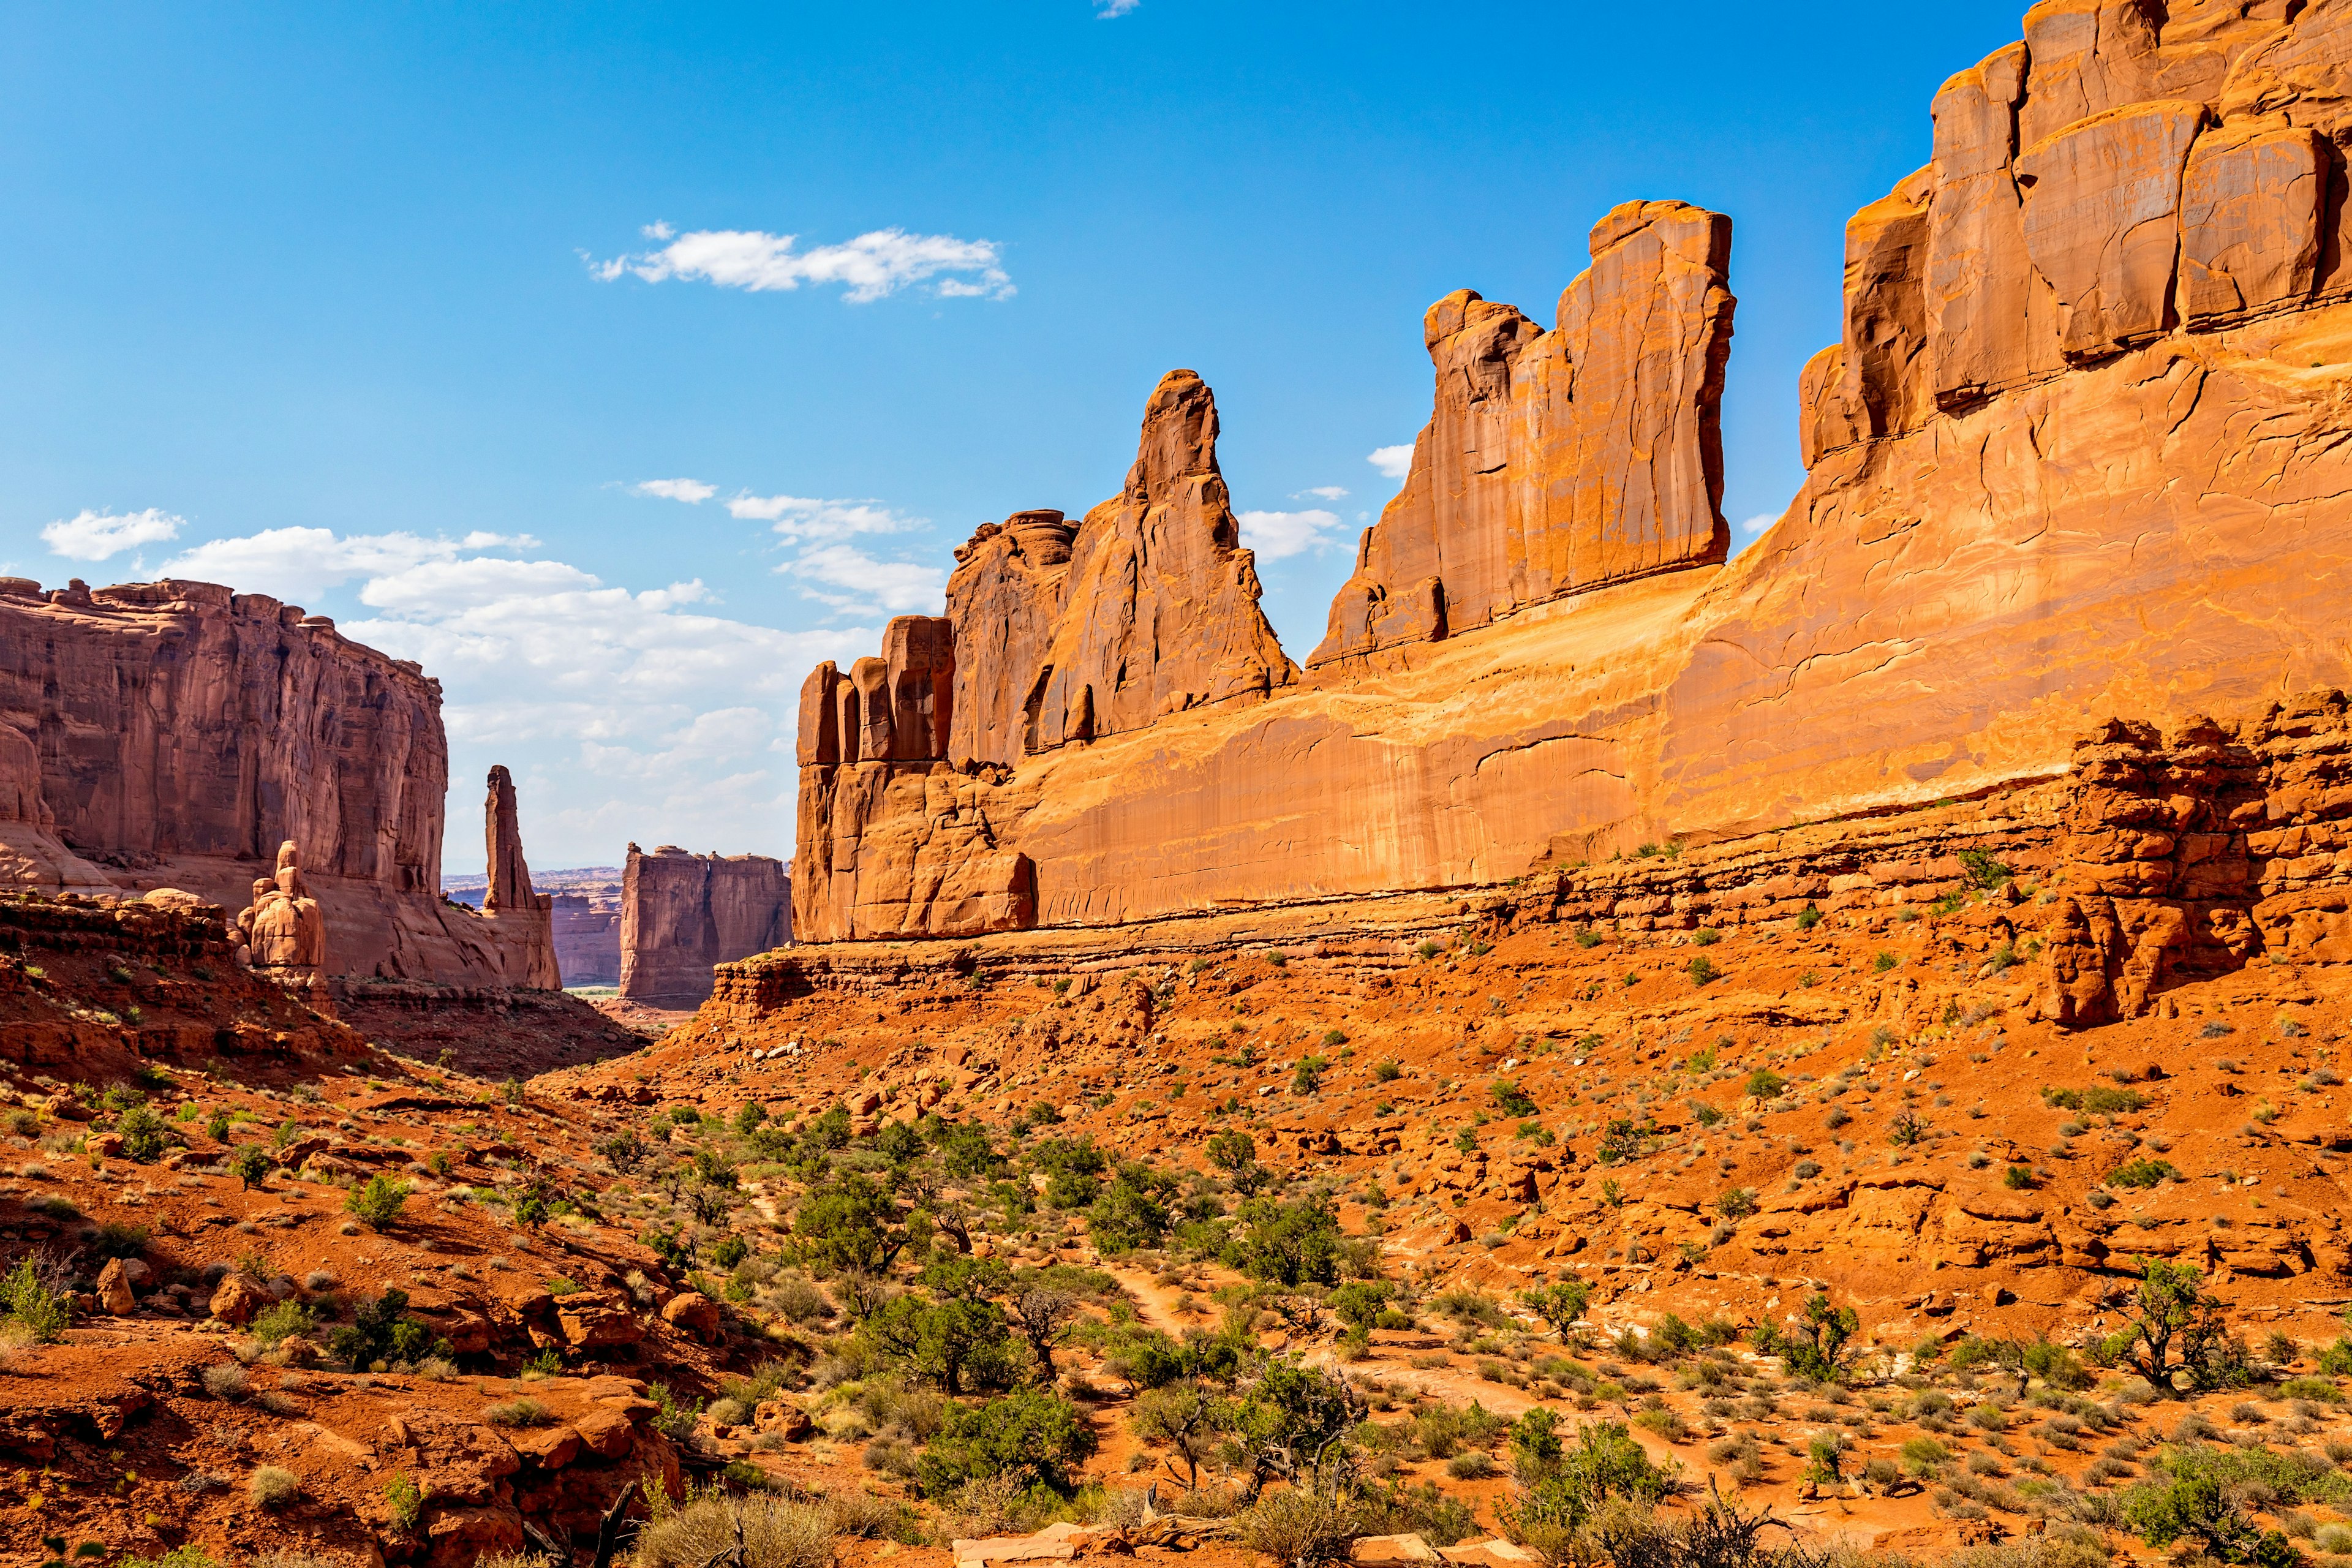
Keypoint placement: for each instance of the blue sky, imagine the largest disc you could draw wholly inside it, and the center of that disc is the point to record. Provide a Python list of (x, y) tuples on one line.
[(396, 311)]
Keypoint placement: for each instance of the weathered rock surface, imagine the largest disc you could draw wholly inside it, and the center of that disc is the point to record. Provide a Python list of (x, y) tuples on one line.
[(681, 913), (1558, 461), (523, 916), (171, 734), (2079, 452)]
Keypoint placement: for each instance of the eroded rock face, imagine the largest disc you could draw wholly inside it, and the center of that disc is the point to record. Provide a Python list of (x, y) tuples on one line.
[(2079, 451), (681, 913), (1558, 461), (174, 733), (1165, 599)]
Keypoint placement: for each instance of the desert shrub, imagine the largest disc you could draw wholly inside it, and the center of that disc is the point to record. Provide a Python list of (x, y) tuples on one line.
[(142, 1132), (1030, 1433), (1298, 1528), (273, 1488), (2141, 1173), (227, 1381), (282, 1322), (34, 1304), (403, 1501), (376, 1202), (517, 1413), (773, 1533)]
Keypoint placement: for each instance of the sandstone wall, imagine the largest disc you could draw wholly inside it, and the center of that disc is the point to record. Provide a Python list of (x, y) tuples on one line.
[(587, 938), (174, 733), (2080, 452), (682, 913), (1556, 461)]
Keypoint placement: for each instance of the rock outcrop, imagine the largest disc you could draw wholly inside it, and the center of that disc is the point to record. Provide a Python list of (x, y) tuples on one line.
[(173, 735), (1557, 461), (682, 913), (508, 901), (281, 935), (587, 937), (2079, 453)]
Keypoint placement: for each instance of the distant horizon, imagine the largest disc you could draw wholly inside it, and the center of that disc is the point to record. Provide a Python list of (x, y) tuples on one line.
[(619, 366)]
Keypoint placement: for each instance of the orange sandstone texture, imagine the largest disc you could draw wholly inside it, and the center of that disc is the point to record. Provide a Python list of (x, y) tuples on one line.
[(681, 913), (2079, 453)]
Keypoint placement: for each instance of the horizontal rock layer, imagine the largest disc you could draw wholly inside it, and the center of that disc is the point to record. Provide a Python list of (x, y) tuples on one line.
[(682, 913)]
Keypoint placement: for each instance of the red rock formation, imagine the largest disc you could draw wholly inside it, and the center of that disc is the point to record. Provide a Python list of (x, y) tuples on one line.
[(508, 901), (1558, 461), (174, 733), (587, 938), (1004, 600), (681, 913), (2079, 452), (1169, 599)]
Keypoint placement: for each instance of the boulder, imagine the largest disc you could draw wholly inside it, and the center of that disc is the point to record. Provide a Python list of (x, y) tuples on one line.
[(114, 1291), (239, 1299), (694, 1313)]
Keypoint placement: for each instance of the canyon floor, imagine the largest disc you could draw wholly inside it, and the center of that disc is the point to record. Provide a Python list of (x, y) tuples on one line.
[(621, 1270)]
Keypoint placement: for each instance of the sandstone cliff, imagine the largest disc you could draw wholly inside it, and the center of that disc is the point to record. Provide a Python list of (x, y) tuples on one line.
[(2078, 454), (174, 733), (1556, 461), (682, 913)]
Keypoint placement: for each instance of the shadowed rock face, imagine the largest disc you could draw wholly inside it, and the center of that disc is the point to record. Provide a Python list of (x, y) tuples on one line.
[(681, 913), (174, 733), (2079, 452)]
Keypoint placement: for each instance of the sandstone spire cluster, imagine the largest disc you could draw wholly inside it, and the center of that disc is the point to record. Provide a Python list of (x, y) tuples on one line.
[(2077, 454)]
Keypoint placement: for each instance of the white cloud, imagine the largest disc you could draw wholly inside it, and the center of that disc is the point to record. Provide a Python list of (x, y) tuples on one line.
[(1759, 524), (1105, 9), (1278, 535), (302, 563), (870, 266), (1394, 462), (800, 519), (897, 587), (95, 535), (691, 492), (1324, 492)]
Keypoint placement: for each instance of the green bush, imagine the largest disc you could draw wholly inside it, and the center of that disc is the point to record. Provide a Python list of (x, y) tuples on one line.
[(403, 1501), (142, 1132), (376, 1202), (1703, 970), (24, 1300), (383, 1330), (1286, 1243), (1764, 1084), (284, 1320), (1513, 1099), (1031, 1437), (2142, 1172), (250, 1164)]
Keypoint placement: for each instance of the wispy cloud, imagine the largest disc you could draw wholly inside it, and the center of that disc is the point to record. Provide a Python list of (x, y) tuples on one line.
[(1394, 462), (1323, 492), (863, 583), (798, 519), (298, 563), (1759, 524), (1105, 9), (1278, 535), (96, 535), (869, 266), (691, 492)]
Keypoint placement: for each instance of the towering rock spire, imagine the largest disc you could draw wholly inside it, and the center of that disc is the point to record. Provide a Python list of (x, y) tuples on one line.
[(509, 897)]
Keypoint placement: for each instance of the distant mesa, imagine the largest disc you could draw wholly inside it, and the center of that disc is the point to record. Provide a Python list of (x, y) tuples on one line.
[(682, 913)]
